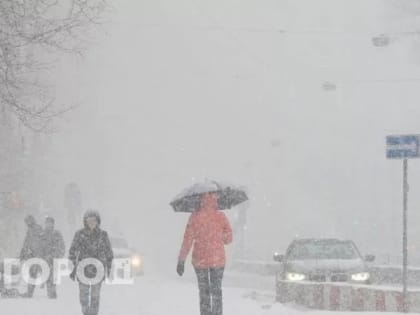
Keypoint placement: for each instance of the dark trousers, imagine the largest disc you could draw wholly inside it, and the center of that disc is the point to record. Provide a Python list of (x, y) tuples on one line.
[(89, 298), (33, 272), (51, 287), (210, 289)]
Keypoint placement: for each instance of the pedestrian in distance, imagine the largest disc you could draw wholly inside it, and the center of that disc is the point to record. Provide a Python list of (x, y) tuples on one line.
[(32, 248), (90, 242), (53, 248), (207, 232)]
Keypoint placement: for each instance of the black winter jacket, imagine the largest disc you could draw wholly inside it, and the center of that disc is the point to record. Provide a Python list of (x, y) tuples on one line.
[(91, 244), (33, 244), (53, 244)]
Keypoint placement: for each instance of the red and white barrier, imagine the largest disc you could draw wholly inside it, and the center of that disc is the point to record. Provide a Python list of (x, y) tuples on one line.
[(347, 297)]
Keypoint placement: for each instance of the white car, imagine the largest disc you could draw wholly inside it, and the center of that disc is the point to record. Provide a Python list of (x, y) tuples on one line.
[(320, 260)]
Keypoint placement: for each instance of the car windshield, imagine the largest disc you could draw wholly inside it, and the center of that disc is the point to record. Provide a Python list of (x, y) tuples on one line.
[(322, 250), (119, 243)]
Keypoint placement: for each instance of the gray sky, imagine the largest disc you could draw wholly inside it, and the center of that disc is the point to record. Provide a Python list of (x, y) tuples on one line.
[(176, 92)]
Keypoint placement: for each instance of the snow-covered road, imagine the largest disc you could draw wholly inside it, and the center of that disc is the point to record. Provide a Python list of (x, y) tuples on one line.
[(151, 295)]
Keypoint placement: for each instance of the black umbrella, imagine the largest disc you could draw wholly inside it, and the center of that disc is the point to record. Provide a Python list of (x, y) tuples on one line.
[(189, 199)]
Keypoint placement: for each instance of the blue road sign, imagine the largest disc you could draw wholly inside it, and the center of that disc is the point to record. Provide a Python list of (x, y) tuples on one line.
[(403, 147)]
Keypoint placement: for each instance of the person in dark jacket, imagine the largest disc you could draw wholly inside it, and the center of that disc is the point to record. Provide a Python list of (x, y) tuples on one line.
[(90, 242), (53, 248), (32, 248)]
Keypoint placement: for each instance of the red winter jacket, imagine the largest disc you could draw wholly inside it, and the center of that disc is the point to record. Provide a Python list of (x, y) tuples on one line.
[(208, 230)]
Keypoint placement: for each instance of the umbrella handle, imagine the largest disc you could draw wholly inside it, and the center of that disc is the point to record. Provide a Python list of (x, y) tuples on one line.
[(217, 184)]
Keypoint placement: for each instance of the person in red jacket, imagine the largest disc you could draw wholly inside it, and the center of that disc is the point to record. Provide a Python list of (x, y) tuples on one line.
[(208, 231)]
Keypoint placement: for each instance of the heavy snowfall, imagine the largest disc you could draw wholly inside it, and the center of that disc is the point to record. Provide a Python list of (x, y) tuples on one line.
[(209, 157)]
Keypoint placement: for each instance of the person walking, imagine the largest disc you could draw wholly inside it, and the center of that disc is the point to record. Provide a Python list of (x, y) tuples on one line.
[(32, 248), (91, 242), (54, 248), (208, 231)]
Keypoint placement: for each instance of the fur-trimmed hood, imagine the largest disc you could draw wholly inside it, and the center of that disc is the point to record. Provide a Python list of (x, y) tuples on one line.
[(89, 214)]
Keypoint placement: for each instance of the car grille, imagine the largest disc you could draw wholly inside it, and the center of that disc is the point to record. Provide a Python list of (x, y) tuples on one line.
[(339, 278), (332, 278), (318, 278)]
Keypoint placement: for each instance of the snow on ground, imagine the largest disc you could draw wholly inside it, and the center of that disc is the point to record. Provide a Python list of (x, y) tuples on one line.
[(154, 295)]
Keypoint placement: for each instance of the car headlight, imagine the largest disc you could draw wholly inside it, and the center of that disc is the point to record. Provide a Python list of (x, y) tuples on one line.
[(136, 261), (293, 276), (362, 276)]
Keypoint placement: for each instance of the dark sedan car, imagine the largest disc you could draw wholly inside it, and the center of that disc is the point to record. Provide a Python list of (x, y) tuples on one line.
[(320, 260)]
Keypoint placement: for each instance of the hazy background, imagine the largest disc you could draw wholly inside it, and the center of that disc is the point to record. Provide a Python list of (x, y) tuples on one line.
[(173, 92)]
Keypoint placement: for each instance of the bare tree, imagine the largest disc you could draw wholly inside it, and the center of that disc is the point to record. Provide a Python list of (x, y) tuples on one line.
[(31, 32)]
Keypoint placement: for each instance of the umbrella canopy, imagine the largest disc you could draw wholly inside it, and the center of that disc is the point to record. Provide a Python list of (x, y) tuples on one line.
[(189, 200)]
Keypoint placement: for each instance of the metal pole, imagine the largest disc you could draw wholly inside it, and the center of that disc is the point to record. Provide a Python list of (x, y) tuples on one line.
[(405, 252)]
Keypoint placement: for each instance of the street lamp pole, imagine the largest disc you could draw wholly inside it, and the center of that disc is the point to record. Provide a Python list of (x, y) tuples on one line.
[(405, 238)]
